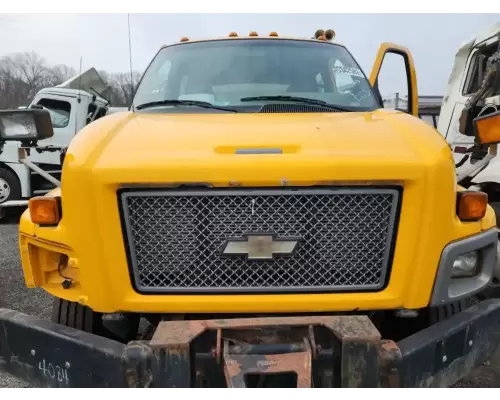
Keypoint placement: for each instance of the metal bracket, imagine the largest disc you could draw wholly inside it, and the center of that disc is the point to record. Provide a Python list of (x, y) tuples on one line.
[(240, 361), (24, 160)]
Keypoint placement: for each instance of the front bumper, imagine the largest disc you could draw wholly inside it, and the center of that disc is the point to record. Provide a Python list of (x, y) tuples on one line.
[(46, 354)]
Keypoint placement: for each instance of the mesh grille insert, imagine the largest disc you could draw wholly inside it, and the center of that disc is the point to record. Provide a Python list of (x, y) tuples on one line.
[(175, 239)]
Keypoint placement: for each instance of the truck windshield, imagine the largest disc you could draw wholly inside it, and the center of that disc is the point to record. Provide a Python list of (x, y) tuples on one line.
[(223, 72)]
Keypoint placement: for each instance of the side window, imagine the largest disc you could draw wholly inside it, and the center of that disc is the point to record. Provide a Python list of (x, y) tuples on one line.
[(472, 80), (477, 69), (90, 112), (393, 81), (101, 112), (394, 72), (59, 110)]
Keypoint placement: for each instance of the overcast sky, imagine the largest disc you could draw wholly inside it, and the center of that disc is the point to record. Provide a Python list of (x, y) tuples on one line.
[(102, 41)]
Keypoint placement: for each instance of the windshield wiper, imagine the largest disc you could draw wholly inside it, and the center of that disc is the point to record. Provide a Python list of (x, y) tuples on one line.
[(175, 102), (306, 100)]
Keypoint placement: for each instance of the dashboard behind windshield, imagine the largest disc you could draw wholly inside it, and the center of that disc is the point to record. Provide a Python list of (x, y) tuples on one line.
[(222, 72)]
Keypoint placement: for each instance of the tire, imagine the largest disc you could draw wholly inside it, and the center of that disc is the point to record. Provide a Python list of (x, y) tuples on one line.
[(82, 318), (10, 187), (76, 316)]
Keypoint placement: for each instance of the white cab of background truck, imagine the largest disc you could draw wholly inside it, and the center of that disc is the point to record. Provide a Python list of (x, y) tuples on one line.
[(72, 105), (465, 79)]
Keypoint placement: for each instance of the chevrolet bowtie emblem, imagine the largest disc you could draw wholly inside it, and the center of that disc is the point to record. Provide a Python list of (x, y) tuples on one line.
[(260, 246)]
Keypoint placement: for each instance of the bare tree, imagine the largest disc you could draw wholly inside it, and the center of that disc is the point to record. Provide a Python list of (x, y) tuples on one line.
[(32, 69), (14, 90), (60, 73), (124, 87), (22, 75)]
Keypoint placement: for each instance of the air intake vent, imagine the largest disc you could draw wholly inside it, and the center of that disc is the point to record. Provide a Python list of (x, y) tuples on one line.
[(294, 108)]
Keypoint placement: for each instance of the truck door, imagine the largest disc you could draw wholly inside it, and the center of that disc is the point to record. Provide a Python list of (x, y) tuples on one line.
[(64, 112), (393, 60)]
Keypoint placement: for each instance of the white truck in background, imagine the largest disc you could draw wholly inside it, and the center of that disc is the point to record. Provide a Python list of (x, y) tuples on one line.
[(466, 78), (72, 105), (473, 91)]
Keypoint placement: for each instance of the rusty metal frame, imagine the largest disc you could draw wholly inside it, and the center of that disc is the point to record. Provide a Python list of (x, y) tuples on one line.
[(358, 341)]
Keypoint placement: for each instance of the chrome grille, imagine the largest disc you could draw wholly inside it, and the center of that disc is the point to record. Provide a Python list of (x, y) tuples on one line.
[(175, 239)]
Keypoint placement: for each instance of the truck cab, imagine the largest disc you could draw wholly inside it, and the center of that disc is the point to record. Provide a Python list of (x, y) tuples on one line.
[(72, 105), (466, 78)]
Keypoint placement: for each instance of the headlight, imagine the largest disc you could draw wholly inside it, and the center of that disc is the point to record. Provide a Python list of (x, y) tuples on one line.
[(466, 265), (19, 125), (29, 124)]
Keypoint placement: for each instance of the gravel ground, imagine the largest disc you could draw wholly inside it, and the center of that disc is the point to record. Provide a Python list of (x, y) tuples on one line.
[(14, 294)]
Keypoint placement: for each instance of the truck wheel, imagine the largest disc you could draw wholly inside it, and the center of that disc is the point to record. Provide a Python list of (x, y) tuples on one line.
[(79, 317), (74, 315), (10, 188)]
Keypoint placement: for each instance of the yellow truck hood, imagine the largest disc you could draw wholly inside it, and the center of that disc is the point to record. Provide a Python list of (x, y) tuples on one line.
[(150, 150), (381, 145)]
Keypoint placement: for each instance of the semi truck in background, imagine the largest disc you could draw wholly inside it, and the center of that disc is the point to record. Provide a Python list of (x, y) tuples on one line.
[(72, 105)]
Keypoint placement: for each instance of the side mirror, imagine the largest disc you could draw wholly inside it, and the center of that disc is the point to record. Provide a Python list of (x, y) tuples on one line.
[(398, 53), (487, 128), (25, 125)]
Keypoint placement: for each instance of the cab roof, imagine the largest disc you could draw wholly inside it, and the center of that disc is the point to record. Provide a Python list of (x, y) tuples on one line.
[(186, 40)]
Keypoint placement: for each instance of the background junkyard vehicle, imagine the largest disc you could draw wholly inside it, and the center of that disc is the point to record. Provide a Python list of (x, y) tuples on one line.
[(72, 105), (473, 91), (269, 219)]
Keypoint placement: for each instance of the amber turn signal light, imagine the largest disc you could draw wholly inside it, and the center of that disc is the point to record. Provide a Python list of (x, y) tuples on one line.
[(45, 210), (471, 206), (488, 128), (330, 34), (318, 33)]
